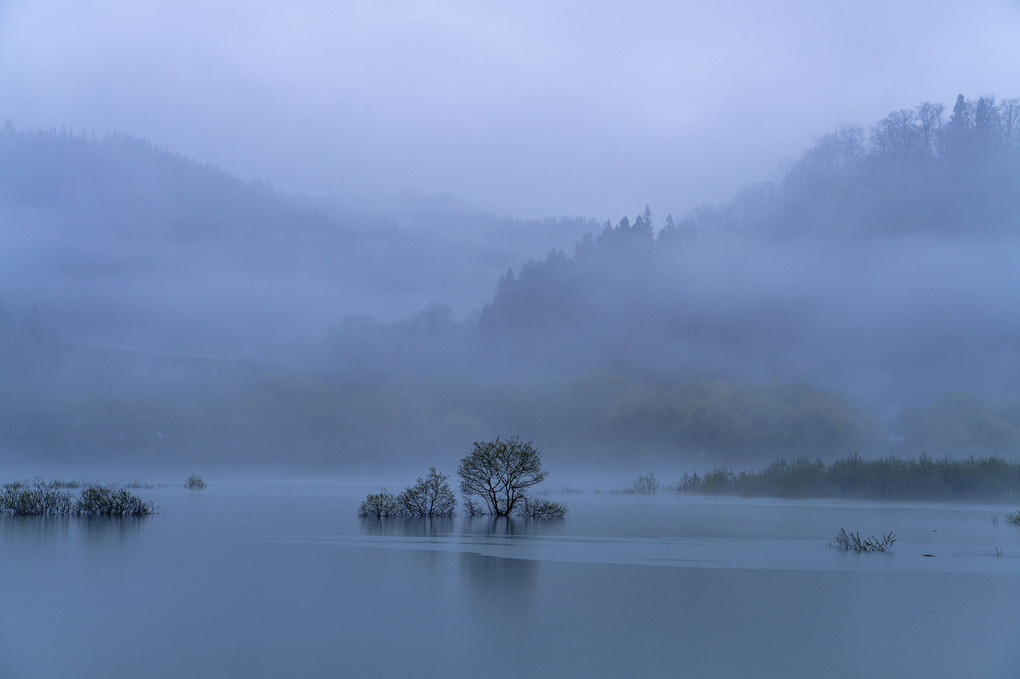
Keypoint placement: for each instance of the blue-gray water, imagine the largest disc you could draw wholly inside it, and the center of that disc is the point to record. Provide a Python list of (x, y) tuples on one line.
[(283, 580)]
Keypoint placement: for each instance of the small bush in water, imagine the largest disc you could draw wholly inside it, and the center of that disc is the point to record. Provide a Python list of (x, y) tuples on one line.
[(44, 499), (646, 484), (39, 499), (541, 509), (103, 501), (1014, 517), (429, 496), (379, 505), (194, 482)]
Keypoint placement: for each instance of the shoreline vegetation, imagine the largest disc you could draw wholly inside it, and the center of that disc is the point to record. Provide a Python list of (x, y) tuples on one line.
[(888, 478), (55, 498)]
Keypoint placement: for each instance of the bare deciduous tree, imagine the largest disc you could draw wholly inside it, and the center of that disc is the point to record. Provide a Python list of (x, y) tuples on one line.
[(429, 496), (500, 472), (929, 118)]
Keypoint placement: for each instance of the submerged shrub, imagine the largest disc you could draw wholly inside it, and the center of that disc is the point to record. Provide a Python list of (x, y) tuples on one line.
[(39, 499), (473, 508), (46, 499), (852, 542), (541, 509), (379, 505), (429, 496), (98, 500), (1014, 517), (194, 482), (646, 484)]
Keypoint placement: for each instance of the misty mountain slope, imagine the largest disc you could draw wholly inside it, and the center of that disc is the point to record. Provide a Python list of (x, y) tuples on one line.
[(124, 244), (890, 272), (865, 303)]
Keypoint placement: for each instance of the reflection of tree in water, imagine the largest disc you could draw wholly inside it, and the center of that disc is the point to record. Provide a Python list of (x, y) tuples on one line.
[(414, 527), (22, 532), (33, 531), (504, 525), (498, 583), (491, 579), (101, 532), (496, 580)]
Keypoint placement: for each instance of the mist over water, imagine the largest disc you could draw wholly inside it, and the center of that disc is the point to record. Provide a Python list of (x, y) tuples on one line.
[(267, 579)]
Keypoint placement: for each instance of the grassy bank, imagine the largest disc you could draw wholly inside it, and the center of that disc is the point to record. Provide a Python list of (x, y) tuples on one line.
[(887, 478)]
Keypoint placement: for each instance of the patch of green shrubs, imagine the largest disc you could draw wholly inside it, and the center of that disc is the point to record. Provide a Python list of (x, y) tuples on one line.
[(48, 499), (921, 478)]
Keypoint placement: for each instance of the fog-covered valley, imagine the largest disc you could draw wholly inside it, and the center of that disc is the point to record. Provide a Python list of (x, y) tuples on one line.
[(154, 306)]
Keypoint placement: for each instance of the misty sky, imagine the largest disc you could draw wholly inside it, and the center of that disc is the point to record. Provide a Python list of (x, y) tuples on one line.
[(526, 108)]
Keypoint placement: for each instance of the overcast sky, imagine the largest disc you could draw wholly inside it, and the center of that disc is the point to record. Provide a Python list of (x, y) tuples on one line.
[(522, 108)]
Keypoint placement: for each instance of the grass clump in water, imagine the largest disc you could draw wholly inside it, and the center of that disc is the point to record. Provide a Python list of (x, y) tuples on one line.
[(1014, 517), (852, 542)]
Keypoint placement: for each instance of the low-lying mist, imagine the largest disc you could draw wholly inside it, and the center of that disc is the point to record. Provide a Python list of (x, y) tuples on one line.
[(156, 309)]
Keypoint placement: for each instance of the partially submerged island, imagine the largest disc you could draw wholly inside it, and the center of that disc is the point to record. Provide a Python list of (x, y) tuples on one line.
[(495, 481)]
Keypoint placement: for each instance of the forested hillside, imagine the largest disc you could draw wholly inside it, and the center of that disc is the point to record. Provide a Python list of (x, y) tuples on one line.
[(862, 302), (882, 263), (117, 242)]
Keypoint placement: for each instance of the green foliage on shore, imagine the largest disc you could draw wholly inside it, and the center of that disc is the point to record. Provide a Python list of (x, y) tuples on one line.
[(887, 478)]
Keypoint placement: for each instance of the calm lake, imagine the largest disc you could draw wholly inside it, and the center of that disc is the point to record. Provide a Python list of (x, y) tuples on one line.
[(284, 580)]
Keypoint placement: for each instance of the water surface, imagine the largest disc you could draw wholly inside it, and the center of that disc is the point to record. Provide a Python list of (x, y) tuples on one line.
[(282, 580)]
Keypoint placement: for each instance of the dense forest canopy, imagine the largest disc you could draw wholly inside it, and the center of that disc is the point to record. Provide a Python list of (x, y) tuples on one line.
[(155, 308)]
